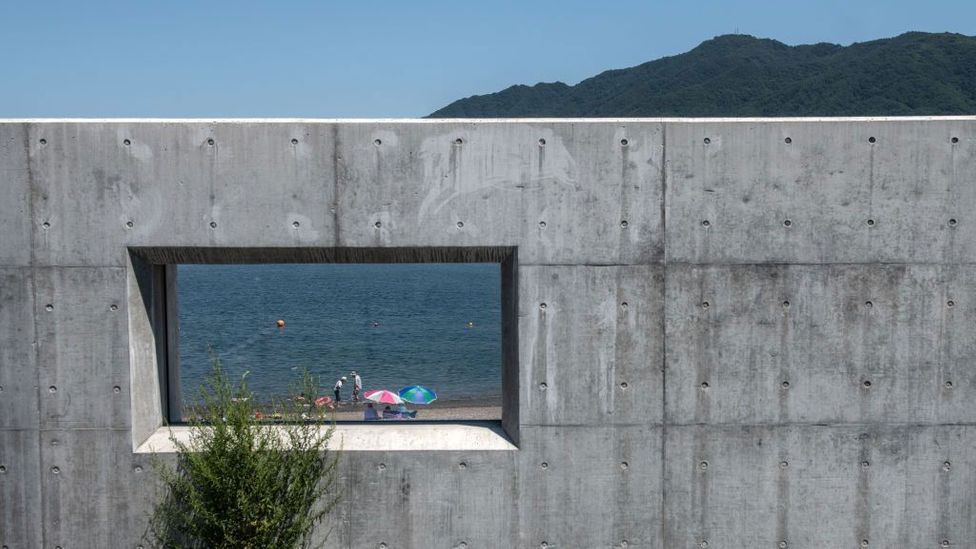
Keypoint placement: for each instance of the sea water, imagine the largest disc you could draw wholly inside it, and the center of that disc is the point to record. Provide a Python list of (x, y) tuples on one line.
[(438, 325)]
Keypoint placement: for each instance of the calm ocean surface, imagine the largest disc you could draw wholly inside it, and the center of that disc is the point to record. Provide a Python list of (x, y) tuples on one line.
[(423, 311)]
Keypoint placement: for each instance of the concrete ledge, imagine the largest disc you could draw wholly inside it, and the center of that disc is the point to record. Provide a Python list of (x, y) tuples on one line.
[(378, 437)]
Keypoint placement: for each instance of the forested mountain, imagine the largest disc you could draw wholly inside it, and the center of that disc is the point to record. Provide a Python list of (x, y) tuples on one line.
[(738, 75)]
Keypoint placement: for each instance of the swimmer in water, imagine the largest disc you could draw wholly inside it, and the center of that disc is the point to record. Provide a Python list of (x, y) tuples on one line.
[(470, 324), (376, 324)]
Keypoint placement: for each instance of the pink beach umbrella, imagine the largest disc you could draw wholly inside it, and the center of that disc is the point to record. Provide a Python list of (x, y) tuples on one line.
[(383, 396)]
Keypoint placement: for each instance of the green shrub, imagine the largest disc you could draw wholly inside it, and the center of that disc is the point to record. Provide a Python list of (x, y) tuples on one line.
[(245, 482)]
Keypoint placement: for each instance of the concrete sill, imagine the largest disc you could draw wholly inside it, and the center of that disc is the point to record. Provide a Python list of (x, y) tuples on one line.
[(377, 437)]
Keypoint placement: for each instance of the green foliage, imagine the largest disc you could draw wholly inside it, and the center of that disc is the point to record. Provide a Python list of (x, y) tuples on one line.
[(737, 75), (242, 482)]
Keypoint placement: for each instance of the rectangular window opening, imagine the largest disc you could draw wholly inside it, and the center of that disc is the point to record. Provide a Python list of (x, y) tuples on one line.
[(442, 319)]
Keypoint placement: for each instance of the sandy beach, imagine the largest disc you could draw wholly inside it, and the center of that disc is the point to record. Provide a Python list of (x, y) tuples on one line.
[(450, 410)]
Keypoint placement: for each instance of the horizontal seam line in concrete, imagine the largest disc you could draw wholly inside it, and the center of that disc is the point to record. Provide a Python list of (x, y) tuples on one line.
[(635, 264), (70, 428), (736, 425), (821, 264), (697, 120)]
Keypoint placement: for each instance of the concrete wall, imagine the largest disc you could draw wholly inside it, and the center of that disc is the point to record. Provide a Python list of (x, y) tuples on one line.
[(731, 333)]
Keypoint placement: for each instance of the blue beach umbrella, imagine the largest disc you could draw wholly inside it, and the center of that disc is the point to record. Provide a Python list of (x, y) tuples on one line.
[(418, 394)]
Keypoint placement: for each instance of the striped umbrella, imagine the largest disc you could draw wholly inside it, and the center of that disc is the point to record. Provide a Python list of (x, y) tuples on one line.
[(418, 394), (383, 396)]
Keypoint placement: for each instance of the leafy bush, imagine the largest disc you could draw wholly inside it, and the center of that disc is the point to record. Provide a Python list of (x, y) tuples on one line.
[(244, 482)]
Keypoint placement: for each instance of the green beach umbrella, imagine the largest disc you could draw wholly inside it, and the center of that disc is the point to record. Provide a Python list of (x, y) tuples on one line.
[(418, 394)]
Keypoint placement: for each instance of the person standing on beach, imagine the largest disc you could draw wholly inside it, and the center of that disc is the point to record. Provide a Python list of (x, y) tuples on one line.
[(337, 388), (357, 386)]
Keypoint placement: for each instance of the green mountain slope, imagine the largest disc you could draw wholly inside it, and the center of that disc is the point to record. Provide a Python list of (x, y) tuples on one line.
[(738, 75)]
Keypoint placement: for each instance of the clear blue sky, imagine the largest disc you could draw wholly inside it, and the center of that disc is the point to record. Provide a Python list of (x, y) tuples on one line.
[(379, 58)]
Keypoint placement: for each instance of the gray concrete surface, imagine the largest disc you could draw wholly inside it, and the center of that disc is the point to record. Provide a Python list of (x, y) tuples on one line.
[(724, 333)]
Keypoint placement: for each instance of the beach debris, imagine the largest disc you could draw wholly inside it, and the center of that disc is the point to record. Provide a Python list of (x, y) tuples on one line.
[(323, 401)]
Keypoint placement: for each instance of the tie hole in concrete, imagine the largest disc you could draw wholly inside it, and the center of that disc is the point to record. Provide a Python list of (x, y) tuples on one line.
[(43, 141), (706, 223), (788, 141), (708, 141), (542, 142), (624, 142), (210, 142), (954, 140), (213, 224), (872, 140), (952, 222), (787, 223), (870, 222)]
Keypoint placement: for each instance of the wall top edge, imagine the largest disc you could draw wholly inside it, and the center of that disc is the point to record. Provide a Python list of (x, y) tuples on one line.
[(474, 120)]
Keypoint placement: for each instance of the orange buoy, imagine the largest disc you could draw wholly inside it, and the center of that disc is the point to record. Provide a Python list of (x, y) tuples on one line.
[(280, 323)]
